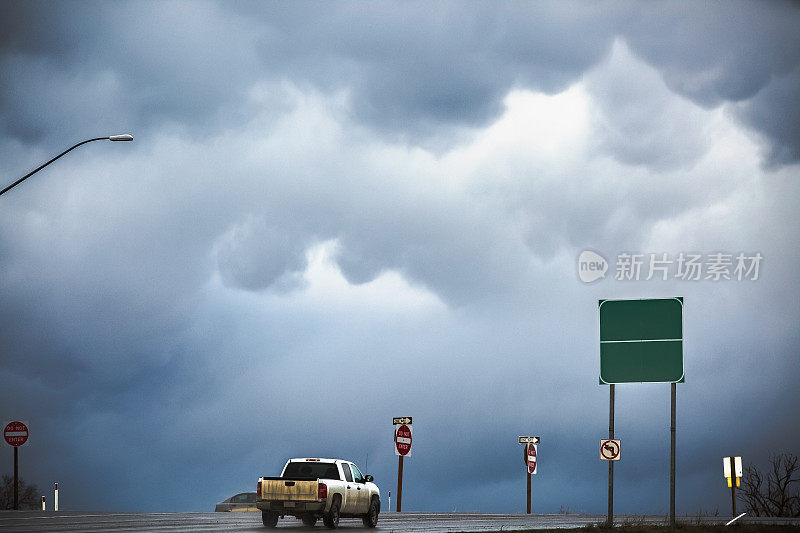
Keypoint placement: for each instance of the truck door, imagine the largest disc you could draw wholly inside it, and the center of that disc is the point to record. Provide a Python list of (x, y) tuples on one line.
[(362, 493), (350, 493)]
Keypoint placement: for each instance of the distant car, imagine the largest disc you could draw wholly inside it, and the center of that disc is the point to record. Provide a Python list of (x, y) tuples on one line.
[(246, 501)]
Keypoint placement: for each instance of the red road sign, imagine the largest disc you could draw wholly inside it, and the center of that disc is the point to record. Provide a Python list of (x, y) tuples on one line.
[(402, 440), (16, 433), (530, 457)]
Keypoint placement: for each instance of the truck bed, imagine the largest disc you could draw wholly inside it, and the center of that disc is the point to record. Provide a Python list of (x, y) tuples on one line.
[(282, 489)]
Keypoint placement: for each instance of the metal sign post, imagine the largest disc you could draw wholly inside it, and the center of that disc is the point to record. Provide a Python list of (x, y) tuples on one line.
[(672, 428), (402, 447), (610, 518), (732, 468), (400, 484), (642, 341), (16, 434), (610, 450), (16, 480), (531, 461), (733, 492), (529, 494)]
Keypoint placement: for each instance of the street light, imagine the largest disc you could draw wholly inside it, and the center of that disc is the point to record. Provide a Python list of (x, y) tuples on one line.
[(120, 137)]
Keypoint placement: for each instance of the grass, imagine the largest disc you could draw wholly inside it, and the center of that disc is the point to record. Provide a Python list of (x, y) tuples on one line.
[(692, 528), (634, 526)]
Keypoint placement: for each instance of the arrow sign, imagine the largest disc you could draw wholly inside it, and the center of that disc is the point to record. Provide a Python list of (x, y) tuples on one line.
[(401, 420), (529, 440)]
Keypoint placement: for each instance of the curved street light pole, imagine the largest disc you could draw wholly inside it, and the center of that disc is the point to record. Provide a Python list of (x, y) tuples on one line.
[(122, 137)]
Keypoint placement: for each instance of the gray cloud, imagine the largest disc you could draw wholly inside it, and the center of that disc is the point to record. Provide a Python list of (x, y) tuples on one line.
[(410, 73), (160, 301)]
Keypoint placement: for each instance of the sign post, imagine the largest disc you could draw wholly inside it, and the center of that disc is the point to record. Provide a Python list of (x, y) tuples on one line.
[(16, 434), (402, 447), (642, 341), (610, 450), (610, 518), (732, 468), (530, 458)]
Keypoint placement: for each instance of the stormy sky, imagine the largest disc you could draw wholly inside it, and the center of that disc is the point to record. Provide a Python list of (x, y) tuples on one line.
[(337, 213)]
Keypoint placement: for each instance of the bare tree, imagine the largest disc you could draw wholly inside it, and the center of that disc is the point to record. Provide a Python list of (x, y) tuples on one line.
[(775, 494), (29, 497)]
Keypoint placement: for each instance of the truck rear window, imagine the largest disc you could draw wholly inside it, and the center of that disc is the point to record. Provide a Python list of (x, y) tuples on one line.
[(311, 471)]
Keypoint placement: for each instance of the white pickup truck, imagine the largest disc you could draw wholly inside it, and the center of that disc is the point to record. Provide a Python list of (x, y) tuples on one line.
[(311, 488)]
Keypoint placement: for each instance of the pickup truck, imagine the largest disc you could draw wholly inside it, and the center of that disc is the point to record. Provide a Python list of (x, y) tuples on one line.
[(311, 488)]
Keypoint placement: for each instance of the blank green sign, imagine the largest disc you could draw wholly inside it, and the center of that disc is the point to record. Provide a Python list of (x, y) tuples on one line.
[(641, 341)]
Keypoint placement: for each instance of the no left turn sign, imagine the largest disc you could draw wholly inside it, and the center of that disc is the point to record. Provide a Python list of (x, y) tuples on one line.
[(610, 450)]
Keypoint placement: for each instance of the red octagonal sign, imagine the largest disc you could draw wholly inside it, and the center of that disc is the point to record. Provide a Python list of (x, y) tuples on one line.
[(402, 439), (16, 433)]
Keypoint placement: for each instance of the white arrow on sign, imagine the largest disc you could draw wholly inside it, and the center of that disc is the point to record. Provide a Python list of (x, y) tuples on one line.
[(529, 440)]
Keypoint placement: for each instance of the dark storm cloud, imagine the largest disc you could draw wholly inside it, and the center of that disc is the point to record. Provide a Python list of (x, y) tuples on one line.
[(72, 67), (774, 113), (423, 66), (159, 321), (408, 71), (744, 52)]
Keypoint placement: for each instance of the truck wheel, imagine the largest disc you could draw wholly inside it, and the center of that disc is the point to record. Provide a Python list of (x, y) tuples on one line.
[(371, 518), (309, 520), (331, 520), (270, 518)]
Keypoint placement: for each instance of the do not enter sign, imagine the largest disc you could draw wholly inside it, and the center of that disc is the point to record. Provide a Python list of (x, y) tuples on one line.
[(16, 433), (402, 440), (530, 457)]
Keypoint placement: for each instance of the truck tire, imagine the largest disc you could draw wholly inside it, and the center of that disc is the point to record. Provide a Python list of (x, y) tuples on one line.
[(331, 518), (309, 520), (371, 518), (270, 518)]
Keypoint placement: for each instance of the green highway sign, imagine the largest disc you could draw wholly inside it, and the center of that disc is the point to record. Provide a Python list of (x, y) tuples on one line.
[(641, 341)]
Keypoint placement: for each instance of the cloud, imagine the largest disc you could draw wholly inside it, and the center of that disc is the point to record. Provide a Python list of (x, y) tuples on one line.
[(421, 74), (773, 113), (329, 219)]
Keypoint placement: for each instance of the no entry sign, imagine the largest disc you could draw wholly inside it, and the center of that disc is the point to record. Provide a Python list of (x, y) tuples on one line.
[(530, 457), (402, 440), (16, 433)]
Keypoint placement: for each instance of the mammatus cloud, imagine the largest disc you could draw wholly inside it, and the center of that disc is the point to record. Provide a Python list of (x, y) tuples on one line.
[(392, 202), (415, 74)]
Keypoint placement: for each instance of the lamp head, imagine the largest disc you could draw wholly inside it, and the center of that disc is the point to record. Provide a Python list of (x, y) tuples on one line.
[(121, 137)]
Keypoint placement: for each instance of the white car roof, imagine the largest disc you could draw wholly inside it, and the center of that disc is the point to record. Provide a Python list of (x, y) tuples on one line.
[(315, 459)]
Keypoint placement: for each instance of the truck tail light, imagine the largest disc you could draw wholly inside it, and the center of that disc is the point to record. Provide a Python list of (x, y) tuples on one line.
[(258, 489), (322, 491)]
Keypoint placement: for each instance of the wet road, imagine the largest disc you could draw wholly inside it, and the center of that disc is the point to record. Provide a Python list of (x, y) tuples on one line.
[(30, 521)]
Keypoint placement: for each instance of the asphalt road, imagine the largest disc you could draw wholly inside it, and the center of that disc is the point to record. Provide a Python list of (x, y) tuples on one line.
[(24, 521)]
